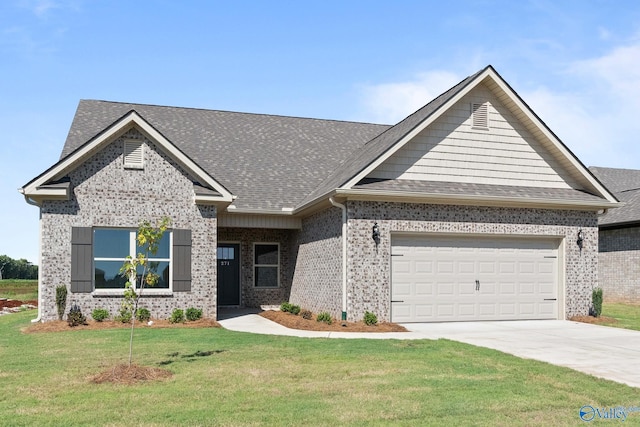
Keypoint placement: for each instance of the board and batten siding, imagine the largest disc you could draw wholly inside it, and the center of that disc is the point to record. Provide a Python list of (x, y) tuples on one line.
[(452, 150)]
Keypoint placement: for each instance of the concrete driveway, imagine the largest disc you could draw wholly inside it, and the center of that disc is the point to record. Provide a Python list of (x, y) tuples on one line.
[(604, 352), (610, 353)]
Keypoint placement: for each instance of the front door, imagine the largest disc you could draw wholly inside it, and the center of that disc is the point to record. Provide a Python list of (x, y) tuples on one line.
[(228, 274)]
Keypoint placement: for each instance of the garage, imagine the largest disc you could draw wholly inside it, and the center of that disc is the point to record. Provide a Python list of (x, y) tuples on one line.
[(441, 278)]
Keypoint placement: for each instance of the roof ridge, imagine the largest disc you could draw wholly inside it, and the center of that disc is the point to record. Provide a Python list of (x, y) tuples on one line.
[(235, 112)]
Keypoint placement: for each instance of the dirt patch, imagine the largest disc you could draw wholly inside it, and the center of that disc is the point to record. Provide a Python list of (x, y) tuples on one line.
[(125, 374), (61, 325), (594, 320), (13, 303), (297, 322)]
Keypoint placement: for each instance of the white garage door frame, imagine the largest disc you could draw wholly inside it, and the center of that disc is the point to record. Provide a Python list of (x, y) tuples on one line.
[(402, 311)]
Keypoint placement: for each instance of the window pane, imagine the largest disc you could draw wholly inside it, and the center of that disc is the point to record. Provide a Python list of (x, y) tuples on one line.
[(266, 254), (161, 268), (226, 253), (266, 277), (110, 243), (107, 275), (163, 247)]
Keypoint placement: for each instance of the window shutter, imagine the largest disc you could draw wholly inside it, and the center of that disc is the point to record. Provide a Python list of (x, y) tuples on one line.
[(133, 154), (81, 259), (480, 115), (181, 260)]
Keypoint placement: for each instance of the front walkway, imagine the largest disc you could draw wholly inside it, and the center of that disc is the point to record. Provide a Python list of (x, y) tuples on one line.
[(605, 352)]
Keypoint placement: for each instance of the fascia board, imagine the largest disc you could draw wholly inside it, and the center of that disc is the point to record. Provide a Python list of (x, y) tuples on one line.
[(415, 131), (472, 199)]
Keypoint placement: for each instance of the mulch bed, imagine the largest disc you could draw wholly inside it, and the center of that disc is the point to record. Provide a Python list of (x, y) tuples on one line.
[(297, 322), (594, 320), (62, 325)]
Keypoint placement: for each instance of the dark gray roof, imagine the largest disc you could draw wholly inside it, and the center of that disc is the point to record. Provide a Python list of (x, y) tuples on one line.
[(269, 162), (625, 185), (473, 189)]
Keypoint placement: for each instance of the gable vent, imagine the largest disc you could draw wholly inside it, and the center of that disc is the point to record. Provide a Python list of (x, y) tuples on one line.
[(480, 115), (133, 154)]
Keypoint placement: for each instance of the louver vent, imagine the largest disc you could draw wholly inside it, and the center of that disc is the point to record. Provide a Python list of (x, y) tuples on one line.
[(133, 155), (480, 113)]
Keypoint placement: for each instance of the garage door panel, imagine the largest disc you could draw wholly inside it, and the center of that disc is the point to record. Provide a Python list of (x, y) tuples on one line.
[(436, 278)]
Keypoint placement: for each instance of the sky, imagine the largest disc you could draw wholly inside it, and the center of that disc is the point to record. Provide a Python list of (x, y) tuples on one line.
[(576, 63)]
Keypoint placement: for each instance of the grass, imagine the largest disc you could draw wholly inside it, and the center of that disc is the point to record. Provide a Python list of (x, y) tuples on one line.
[(627, 316), (24, 290), (228, 378)]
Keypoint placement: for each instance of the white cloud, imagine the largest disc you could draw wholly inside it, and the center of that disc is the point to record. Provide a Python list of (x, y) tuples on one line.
[(391, 102)]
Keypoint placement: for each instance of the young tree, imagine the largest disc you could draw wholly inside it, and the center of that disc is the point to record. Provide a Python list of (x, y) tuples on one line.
[(139, 272)]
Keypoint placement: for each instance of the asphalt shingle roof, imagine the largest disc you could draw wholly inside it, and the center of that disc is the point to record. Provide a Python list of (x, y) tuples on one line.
[(269, 162), (625, 184)]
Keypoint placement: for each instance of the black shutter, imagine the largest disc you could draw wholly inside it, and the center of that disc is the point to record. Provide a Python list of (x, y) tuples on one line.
[(81, 259), (181, 260)]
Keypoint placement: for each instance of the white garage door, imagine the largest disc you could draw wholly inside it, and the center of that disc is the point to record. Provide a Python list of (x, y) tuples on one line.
[(444, 278)]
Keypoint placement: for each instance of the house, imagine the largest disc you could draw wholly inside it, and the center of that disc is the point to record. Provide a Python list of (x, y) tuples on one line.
[(468, 209), (619, 237)]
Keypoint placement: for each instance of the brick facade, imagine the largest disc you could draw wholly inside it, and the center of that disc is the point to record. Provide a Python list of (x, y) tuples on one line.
[(369, 274), (317, 282), (619, 265), (105, 194)]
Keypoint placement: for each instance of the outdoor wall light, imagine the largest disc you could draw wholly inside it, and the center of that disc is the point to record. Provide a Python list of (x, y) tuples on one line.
[(580, 239), (375, 234)]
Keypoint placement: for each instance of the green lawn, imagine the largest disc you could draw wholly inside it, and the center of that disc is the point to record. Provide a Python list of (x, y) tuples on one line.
[(269, 380), (627, 316), (23, 290)]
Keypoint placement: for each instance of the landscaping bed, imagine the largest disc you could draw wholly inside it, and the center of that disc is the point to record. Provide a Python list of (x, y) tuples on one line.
[(298, 322)]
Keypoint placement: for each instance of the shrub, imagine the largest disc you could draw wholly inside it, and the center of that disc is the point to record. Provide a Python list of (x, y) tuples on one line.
[(370, 319), (193, 314), (100, 314), (324, 317), (177, 316), (124, 315), (75, 316), (306, 314), (61, 300), (143, 314), (596, 299), (290, 308)]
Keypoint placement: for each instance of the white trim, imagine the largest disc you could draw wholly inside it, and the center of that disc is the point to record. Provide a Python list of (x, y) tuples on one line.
[(471, 199), (107, 136), (253, 261)]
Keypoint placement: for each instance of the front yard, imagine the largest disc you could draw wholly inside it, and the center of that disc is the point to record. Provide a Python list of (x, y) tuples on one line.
[(228, 378)]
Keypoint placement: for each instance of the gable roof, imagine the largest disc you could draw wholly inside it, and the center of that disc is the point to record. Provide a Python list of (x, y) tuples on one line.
[(269, 162), (46, 185), (625, 184), (277, 164), (383, 146)]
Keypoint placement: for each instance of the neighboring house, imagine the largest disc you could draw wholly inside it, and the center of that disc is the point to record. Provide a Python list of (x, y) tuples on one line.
[(619, 237), (468, 209)]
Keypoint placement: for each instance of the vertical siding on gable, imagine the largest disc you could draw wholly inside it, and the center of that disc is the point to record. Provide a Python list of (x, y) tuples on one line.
[(452, 150)]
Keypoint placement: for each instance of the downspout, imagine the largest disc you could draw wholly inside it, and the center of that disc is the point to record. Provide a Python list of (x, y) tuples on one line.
[(344, 255), (33, 203)]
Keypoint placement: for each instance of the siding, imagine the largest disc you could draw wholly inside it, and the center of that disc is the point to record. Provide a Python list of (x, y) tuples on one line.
[(452, 150)]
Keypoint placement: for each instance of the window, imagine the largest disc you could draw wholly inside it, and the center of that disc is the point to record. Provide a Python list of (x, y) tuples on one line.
[(266, 265), (112, 246)]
